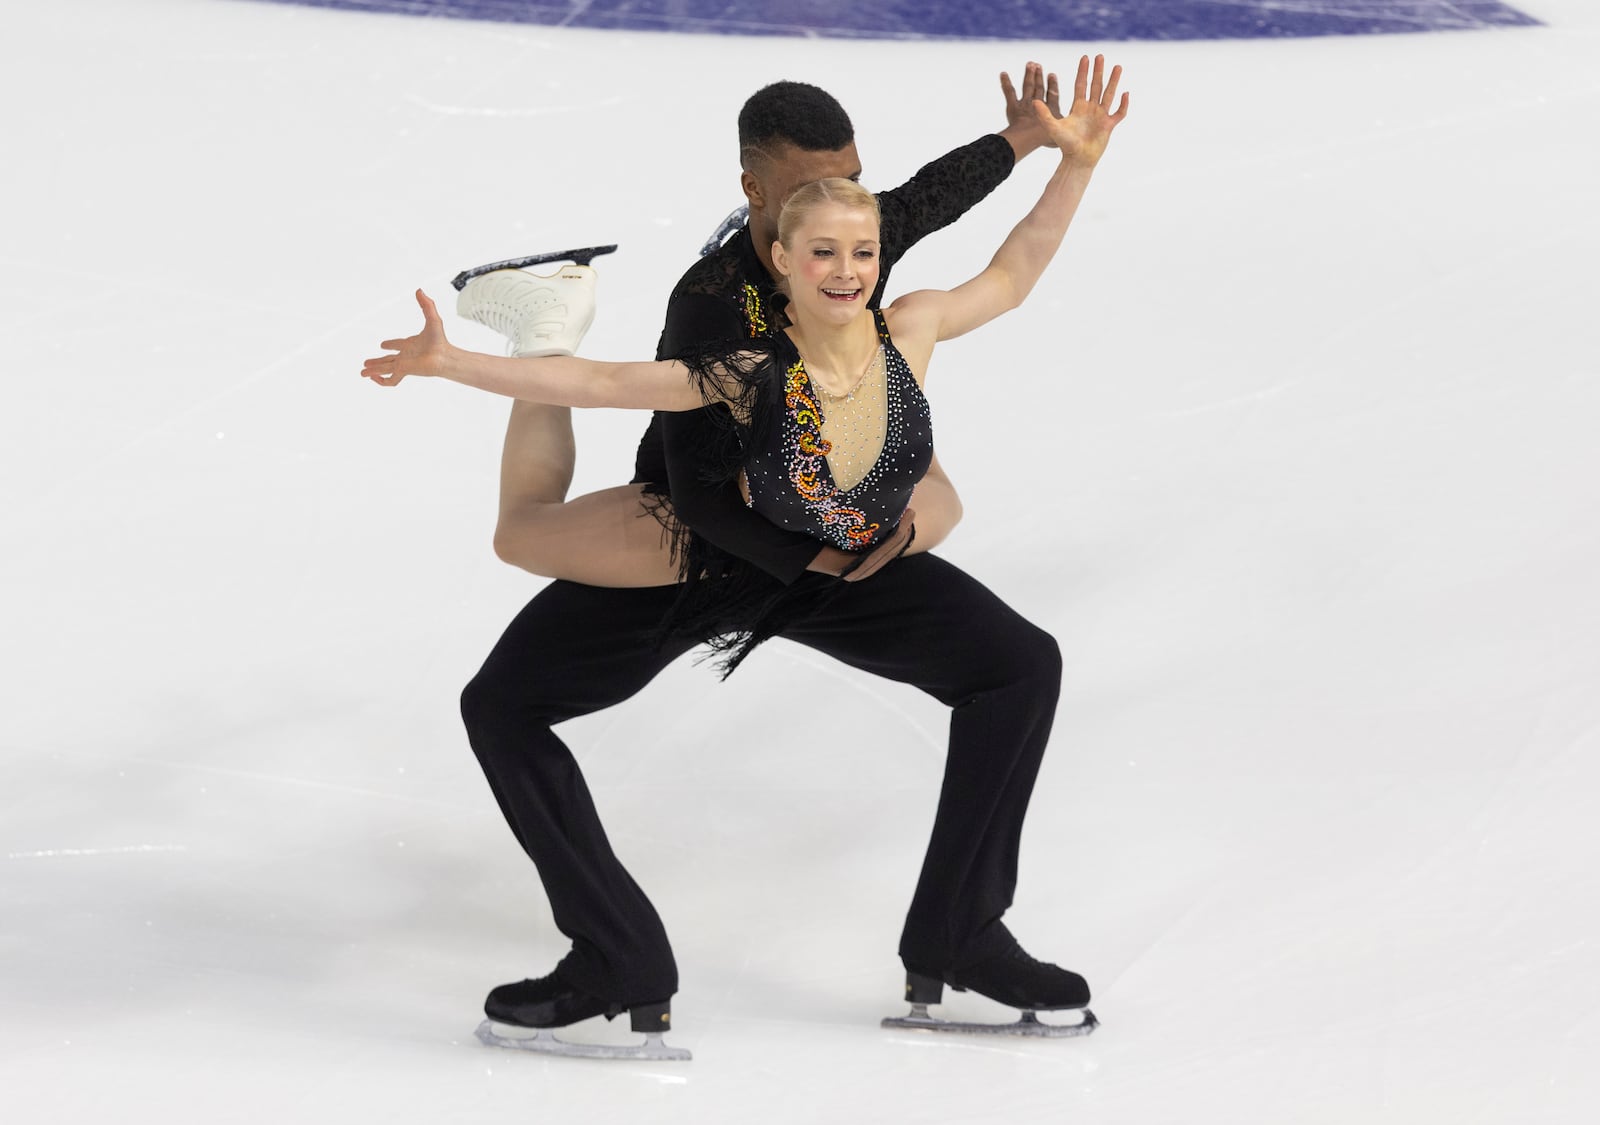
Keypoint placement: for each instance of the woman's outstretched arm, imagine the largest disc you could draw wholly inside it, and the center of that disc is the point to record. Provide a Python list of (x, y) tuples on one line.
[(556, 380), (1082, 136)]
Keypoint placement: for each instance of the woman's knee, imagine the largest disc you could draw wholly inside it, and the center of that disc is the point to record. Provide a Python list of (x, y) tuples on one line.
[(518, 541)]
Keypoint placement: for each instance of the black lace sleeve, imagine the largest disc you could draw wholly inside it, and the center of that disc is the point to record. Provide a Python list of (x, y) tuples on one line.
[(941, 192)]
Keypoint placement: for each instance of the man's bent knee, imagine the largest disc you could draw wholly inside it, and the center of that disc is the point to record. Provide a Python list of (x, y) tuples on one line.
[(476, 703), (1034, 657)]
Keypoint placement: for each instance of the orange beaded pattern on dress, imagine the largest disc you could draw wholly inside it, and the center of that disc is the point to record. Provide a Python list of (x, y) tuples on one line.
[(806, 465), (806, 469)]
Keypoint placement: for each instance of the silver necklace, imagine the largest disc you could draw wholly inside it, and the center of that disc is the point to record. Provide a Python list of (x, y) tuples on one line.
[(873, 364)]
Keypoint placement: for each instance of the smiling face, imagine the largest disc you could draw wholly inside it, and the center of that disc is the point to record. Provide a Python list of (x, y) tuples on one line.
[(827, 251)]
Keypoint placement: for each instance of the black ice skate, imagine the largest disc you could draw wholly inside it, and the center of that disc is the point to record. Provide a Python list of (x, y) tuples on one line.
[(538, 1006), (1012, 978)]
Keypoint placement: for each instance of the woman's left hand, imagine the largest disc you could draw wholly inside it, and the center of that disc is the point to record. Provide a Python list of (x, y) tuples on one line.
[(422, 354), (1082, 135)]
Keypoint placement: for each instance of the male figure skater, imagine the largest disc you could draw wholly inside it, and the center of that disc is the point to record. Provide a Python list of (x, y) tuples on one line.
[(579, 648)]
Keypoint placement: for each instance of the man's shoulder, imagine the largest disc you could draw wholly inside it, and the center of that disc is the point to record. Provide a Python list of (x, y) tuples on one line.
[(716, 299), (721, 273)]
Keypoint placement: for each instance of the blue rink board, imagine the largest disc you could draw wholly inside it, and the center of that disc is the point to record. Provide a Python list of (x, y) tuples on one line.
[(1104, 20)]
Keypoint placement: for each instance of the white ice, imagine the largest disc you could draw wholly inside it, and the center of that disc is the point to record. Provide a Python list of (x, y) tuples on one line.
[(1295, 450)]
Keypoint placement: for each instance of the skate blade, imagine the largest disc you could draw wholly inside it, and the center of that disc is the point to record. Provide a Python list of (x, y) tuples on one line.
[(1029, 1025), (542, 1041), (583, 256)]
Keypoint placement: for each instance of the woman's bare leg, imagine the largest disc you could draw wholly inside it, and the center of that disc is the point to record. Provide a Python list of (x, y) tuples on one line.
[(604, 538), (537, 460), (608, 538)]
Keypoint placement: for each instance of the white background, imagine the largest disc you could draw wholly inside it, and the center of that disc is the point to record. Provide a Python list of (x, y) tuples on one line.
[(1294, 450)]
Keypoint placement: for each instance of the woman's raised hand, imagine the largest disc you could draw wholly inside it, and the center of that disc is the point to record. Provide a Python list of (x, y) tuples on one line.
[(1082, 135), (422, 354)]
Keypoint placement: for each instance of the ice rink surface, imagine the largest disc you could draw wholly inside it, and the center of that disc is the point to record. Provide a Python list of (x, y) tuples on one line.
[(1294, 450)]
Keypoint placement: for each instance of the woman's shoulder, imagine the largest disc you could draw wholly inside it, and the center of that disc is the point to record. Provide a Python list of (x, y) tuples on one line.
[(913, 312), (914, 301)]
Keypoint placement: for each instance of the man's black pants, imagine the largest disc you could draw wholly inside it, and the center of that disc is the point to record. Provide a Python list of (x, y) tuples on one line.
[(578, 649)]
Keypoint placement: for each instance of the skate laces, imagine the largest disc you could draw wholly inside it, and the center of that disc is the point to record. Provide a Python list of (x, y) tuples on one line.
[(511, 305), (538, 315)]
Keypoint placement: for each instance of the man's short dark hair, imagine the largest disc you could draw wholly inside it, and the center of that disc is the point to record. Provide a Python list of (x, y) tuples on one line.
[(795, 113)]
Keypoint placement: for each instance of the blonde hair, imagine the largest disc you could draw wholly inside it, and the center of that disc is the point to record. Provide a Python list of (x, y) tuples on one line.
[(819, 193)]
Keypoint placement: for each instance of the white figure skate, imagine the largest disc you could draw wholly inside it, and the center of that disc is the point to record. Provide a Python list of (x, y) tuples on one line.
[(539, 315)]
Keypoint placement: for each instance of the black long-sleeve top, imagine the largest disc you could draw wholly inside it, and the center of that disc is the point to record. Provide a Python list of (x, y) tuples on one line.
[(728, 296)]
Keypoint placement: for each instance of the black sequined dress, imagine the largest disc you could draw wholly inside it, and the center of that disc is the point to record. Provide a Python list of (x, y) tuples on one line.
[(793, 480)]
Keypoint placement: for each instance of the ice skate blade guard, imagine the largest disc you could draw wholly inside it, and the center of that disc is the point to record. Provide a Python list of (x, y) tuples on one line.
[(543, 1041), (1029, 1025)]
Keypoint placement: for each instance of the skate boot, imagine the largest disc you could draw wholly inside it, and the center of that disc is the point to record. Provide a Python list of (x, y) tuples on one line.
[(1010, 977), (538, 315), (549, 1002)]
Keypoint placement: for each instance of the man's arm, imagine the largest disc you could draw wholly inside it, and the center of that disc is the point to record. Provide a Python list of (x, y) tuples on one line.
[(947, 188), (939, 194), (718, 511)]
